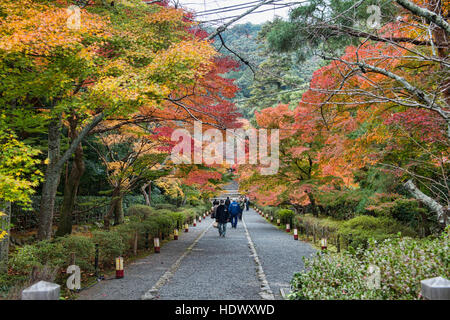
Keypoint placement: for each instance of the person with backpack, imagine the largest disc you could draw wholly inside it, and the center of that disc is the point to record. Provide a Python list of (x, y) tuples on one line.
[(242, 206), (227, 203), (234, 210), (215, 205), (222, 217)]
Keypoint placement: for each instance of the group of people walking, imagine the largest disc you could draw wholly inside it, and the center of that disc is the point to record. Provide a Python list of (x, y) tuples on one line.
[(225, 211)]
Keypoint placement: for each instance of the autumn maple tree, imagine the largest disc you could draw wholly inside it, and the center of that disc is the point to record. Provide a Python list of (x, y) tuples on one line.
[(127, 64), (382, 101)]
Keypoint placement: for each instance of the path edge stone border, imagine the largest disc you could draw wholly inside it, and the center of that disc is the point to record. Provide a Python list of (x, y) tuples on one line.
[(151, 294), (265, 293)]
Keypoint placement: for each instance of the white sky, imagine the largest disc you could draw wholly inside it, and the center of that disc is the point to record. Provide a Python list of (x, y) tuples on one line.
[(256, 18)]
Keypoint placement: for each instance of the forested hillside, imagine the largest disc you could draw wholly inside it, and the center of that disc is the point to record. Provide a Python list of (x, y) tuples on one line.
[(264, 77)]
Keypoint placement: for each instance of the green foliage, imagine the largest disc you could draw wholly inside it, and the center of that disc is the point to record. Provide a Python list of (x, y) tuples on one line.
[(362, 228), (403, 263), (37, 255), (285, 215), (270, 210), (190, 213), (82, 246), (167, 206), (331, 277), (341, 204), (18, 167), (314, 17), (408, 211), (140, 210), (110, 244)]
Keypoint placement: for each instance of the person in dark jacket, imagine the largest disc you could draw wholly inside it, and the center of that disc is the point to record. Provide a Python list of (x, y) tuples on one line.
[(242, 206), (234, 209), (222, 217), (227, 203), (247, 203)]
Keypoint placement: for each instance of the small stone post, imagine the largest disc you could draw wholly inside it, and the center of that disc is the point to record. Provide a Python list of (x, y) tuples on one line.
[(42, 291)]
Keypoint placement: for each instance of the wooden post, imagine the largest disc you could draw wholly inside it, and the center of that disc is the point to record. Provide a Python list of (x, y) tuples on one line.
[(72, 258), (338, 243), (136, 235), (314, 234), (96, 260)]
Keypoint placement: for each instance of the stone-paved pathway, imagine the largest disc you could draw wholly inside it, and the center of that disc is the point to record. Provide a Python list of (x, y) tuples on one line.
[(202, 265)]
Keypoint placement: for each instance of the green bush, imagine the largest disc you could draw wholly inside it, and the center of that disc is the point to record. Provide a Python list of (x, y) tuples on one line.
[(394, 206), (37, 255), (167, 206), (341, 204), (83, 247), (403, 263), (190, 213), (270, 210), (362, 228), (165, 221), (285, 215), (178, 218), (332, 277), (140, 210), (110, 244)]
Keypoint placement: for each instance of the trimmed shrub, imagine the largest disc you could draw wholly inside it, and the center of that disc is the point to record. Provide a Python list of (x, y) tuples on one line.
[(285, 215), (84, 250), (363, 228), (110, 244), (37, 255), (190, 213), (140, 210), (166, 206)]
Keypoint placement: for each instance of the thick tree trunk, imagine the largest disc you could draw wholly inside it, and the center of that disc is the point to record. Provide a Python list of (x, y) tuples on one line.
[(114, 211), (70, 193), (71, 184), (5, 208), (118, 211), (313, 205), (432, 204), (53, 171), (52, 177)]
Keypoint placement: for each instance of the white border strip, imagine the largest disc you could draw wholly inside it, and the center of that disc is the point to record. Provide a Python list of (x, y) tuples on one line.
[(265, 293), (151, 294)]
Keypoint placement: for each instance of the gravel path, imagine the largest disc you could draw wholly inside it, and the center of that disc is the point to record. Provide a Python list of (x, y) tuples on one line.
[(202, 265), (141, 275), (280, 255)]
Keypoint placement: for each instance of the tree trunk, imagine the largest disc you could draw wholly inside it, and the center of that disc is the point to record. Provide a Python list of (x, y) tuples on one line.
[(135, 244), (71, 185), (54, 167), (113, 210), (5, 208), (118, 211), (432, 204), (52, 177), (147, 195), (313, 205)]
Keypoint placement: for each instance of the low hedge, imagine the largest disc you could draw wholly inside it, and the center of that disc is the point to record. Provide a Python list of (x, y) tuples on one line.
[(119, 240), (285, 215)]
